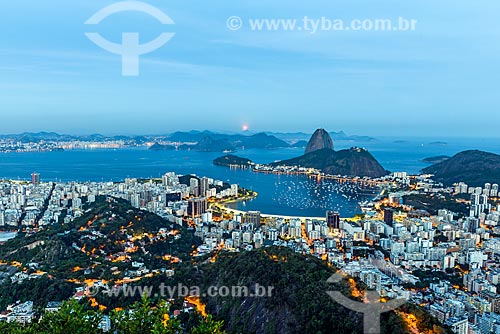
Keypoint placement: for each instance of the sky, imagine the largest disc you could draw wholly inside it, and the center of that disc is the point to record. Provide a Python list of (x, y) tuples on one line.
[(439, 80)]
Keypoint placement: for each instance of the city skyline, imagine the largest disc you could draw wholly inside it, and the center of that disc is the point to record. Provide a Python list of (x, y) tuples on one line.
[(430, 81)]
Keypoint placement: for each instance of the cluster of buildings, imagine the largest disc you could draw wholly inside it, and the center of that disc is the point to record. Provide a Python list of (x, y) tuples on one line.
[(19, 312), (20, 145), (465, 247), (22, 203), (26, 205), (29, 206), (481, 208), (392, 251), (24, 313), (8, 145)]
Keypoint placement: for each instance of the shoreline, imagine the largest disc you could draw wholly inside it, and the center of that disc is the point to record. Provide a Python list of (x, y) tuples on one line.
[(267, 215), (244, 198)]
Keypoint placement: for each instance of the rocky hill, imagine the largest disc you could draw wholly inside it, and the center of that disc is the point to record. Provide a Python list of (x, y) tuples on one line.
[(260, 141), (101, 244), (320, 140), (298, 303), (210, 144), (472, 167), (320, 155), (160, 147), (300, 144), (351, 162)]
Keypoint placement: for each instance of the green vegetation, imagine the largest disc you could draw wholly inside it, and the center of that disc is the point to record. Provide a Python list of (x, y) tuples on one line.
[(99, 245), (212, 142), (299, 303), (434, 202), (40, 291), (232, 160), (433, 275), (142, 317)]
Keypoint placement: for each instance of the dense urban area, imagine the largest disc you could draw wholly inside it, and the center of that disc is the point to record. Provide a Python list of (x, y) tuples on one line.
[(436, 246)]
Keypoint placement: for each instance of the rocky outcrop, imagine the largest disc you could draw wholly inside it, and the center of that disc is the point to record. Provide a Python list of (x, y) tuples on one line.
[(352, 162), (320, 155), (319, 140)]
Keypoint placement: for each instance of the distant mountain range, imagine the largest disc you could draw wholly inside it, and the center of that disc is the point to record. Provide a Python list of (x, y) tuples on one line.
[(214, 142), (182, 137), (472, 167), (294, 137), (201, 141), (300, 143)]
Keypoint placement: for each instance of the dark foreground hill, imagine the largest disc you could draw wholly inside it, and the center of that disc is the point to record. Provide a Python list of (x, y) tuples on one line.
[(298, 303), (472, 167), (351, 162)]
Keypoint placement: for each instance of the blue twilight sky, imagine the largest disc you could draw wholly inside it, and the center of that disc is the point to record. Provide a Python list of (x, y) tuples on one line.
[(442, 79)]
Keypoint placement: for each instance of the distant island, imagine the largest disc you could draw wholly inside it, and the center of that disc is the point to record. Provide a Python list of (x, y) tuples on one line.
[(472, 167), (320, 155), (436, 159), (438, 143), (233, 161), (207, 141), (160, 147)]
